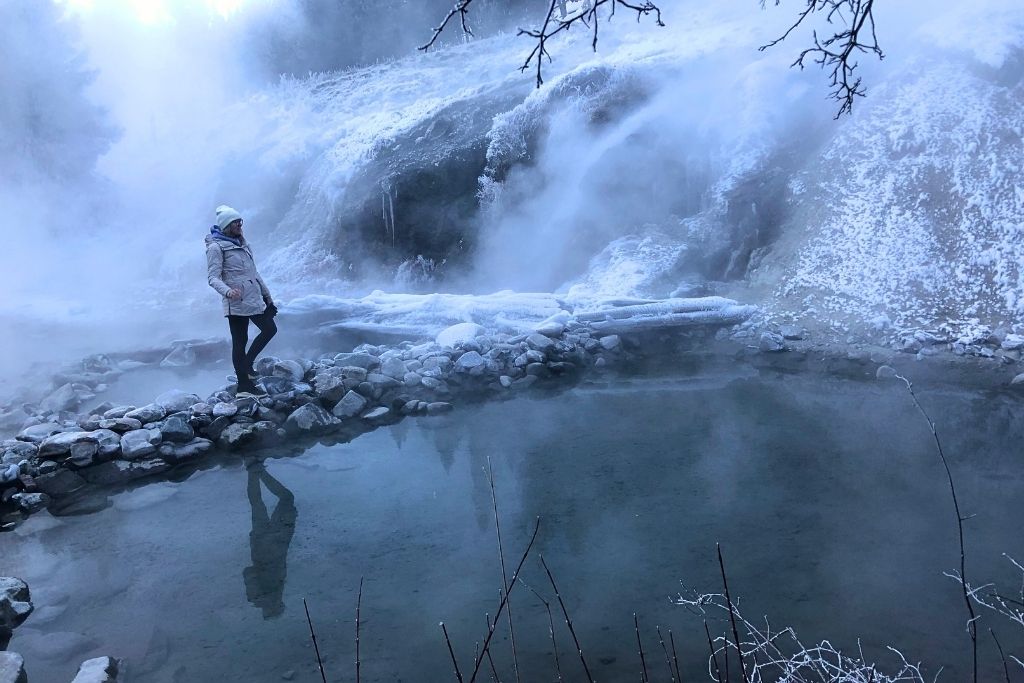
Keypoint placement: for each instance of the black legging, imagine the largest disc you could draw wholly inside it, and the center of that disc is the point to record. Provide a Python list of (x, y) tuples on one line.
[(239, 326)]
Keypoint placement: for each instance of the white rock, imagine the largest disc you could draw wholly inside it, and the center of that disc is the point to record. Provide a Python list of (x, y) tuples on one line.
[(175, 400), (98, 670), (224, 409), (140, 443), (350, 405), (12, 668), (15, 603), (469, 361), (460, 332), (612, 341)]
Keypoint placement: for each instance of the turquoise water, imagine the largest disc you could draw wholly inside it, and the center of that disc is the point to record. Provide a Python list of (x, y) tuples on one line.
[(827, 497)]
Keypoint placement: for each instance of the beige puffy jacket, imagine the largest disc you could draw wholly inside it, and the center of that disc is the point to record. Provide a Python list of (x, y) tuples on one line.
[(229, 266)]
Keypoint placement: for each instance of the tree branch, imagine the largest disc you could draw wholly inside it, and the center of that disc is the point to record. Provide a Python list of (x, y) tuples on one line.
[(838, 53)]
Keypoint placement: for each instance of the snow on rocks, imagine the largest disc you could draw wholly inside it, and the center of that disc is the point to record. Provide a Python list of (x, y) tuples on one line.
[(459, 333), (98, 670), (348, 392), (12, 668), (15, 604)]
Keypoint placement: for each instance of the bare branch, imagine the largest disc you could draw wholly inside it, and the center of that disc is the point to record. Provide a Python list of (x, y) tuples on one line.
[(854, 35), (552, 25)]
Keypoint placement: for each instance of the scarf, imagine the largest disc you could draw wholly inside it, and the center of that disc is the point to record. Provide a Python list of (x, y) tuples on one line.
[(218, 235)]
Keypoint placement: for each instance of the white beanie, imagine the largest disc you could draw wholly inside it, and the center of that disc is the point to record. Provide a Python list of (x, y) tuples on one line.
[(225, 216)]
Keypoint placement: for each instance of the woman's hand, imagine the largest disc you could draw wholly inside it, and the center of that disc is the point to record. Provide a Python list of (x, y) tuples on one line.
[(234, 294)]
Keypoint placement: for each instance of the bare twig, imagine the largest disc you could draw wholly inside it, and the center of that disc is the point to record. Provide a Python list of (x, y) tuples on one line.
[(359, 603), (675, 658), (671, 673), (551, 629), (504, 576), (1006, 668), (838, 52), (640, 648), (316, 648), (451, 651), (504, 601), (714, 653), (490, 659), (972, 627), (732, 618), (551, 26), (568, 621), (461, 8)]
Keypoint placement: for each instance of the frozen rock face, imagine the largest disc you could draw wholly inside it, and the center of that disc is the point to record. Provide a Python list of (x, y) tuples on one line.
[(916, 206), (15, 604)]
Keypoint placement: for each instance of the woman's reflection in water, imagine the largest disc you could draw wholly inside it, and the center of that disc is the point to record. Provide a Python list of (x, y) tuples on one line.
[(268, 542)]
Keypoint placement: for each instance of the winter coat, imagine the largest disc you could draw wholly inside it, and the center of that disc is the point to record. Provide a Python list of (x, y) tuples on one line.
[(231, 266)]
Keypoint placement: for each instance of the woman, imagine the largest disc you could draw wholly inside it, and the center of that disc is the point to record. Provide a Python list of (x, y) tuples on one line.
[(231, 271)]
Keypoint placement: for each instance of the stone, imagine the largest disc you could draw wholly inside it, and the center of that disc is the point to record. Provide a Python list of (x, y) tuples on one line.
[(98, 670), (119, 411), (310, 418), (470, 361), (412, 379), (147, 413), (60, 444), (107, 473), (20, 449), (224, 409), (202, 408), (771, 342), (175, 400), (537, 369), (63, 398), (435, 384), (237, 435), (37, 433), (378, 414), (329, 387), (175, 452), (83, 453), (359, 360), (288, 369), (540, 342), (793, 332), (551, 328), (31, 502), (15, 603), (442, 363), (177, 429), (354, 372), (109, 443), (459, 333), (12, 668), (610, 342), (120, 424), (59, 483), (140, 443), (885, 372), (1012, 342), (505, 381), (439, 407), (350, 405), (1019, 379), (181, 356), (393, 367)]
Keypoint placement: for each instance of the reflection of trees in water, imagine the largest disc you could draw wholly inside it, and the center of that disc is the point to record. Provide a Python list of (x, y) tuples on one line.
[(268, 542)]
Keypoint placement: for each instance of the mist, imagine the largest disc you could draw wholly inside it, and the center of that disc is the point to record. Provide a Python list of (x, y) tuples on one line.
[(360, 163)]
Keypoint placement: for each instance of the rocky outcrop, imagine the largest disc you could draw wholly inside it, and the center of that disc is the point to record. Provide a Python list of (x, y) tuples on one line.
[(15, 604), (12, 668), (99, 670)]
